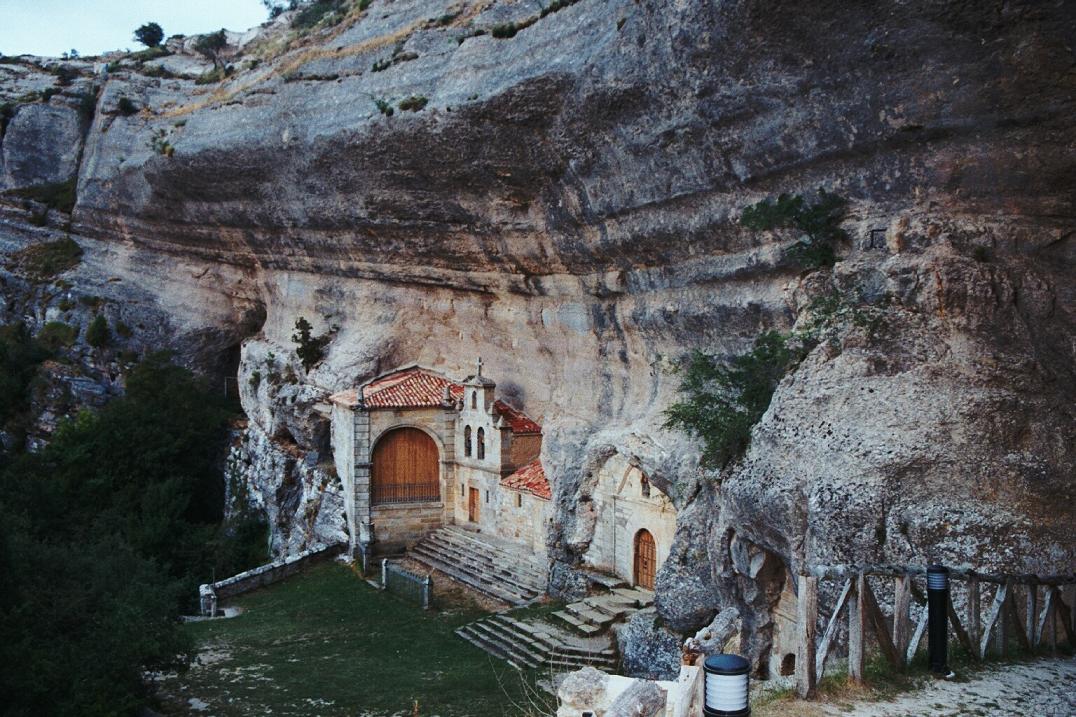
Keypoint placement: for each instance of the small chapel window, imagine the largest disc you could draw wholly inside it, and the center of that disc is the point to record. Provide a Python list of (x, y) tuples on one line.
[(481, 443), (519, 500), (474, 399), (467, 440), (644, 486)]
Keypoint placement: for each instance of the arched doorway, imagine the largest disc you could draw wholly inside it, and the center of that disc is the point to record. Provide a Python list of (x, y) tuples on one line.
[(646, 558), (406, 468)]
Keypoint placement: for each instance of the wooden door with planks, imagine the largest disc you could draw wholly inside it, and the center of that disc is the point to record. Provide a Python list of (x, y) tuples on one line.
[(405, 468), (646, 558), (472, 505)]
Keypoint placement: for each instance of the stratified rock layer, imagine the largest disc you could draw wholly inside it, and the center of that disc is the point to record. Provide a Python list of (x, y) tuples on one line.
[(564, 206)]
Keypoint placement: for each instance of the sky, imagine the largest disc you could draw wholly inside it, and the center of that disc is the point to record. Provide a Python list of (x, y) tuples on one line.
[(52, 27)]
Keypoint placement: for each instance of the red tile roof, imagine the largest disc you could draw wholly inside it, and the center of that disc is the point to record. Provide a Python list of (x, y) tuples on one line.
[(417, 387), (531, 479)]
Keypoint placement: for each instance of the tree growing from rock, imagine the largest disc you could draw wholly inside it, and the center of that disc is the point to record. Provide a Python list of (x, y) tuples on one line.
[(311, 349), (818, 220), (97, 333), (149, 34), (211, 45)]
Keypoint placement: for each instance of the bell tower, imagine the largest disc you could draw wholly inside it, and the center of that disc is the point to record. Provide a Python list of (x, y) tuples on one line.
[(478, 392)]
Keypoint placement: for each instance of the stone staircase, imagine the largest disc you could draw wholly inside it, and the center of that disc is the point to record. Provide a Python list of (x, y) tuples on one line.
[(592, 615), (526, 644), (495, 568)]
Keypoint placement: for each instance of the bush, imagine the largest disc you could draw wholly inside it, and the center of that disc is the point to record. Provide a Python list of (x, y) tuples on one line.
[(722, 402), (332, 11), (59, 196), (126, 107), (820, 222), (215, 75), (504, 30), (123, 330), (20, 356), (311, 349), (384, 107), (414, 103), (7, 113), (97, 333), (149, 34), (42, 262), (56, 335)]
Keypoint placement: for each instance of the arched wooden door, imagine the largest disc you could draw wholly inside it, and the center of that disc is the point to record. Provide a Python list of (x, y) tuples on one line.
[(405, 468), (646, 559)]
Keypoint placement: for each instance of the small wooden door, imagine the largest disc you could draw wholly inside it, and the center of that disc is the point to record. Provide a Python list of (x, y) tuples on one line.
[(472, 505), (646, 559)]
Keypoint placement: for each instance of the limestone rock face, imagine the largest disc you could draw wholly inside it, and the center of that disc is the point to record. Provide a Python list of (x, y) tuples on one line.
[(41, 145), (564, 205), (648, 648)]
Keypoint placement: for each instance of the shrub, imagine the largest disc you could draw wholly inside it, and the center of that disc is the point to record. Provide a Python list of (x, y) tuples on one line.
[(381, 65), (384, 107), (217, 74), (126, 107), (56, 335), (558, 5), (20, 356), (7, 113), (414, 103), (722, 402), (59, 195), (149, 34), (331, 11), (311, 349), (64, 75), (87, 104), (982, 254), (255, 380), (97, 333), (820, 222), (123, 330), (42, 262), (48, 93), (159, 143), (66, 304), (150, 53), (364, 4), (504, 30)]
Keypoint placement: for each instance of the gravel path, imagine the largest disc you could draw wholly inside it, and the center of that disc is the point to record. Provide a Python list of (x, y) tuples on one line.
[(1043, 688)]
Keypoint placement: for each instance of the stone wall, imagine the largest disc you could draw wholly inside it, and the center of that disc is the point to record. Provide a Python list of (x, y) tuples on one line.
[(523, 518), (398, 526), (210, 594)]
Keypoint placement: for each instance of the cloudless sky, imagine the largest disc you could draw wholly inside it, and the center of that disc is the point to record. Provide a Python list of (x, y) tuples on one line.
[(52, 27)]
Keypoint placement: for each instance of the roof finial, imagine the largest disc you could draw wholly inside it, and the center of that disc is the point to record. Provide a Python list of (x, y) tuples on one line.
[(478, 374)]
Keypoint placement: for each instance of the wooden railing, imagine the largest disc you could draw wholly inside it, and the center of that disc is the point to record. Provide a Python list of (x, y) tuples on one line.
[(899, 637)]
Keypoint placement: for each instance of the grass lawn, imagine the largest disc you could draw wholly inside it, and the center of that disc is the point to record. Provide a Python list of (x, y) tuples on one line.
[(326, 643)]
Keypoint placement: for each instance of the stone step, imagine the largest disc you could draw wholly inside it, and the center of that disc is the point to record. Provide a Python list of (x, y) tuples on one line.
[(584, 627), (520, 562), (516, 554), (482, 585), (644, 597), (546, 640), (487, 564), (515, 564), (486, 647), (585, 613), (477, 567), (493, 636)]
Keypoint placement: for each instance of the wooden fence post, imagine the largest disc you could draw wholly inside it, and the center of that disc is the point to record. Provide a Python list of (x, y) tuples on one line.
[(807, 624), (857, 623), (902, 602), (974, 619)]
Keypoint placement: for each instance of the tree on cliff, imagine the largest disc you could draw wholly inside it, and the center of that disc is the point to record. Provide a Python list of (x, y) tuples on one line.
[(210, 46), (311, 349), (722, 401), (149, 34)]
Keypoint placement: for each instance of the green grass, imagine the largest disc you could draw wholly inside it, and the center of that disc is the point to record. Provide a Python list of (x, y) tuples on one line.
[(41, 262), (327, 643)]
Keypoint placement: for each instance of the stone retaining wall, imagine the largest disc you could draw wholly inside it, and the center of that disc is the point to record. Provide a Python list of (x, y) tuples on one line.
[(210, 594)]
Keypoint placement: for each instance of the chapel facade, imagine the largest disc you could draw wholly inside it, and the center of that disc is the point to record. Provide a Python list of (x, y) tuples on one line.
[(416, 451)]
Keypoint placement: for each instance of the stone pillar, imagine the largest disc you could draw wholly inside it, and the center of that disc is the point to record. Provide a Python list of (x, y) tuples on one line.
[(448, 462), (361, 484)]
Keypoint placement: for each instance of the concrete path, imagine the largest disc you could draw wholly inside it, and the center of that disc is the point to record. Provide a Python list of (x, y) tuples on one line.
[(1042, 688)]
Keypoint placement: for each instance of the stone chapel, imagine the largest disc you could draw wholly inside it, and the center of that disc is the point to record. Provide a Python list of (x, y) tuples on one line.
[(417, 451)]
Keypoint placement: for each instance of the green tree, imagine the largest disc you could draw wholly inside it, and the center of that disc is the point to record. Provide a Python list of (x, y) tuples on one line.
[(818, 220), (723, 401), (210, 46), (97, 333), (20, 357), (149, 34), (104, 536), (310, 349)]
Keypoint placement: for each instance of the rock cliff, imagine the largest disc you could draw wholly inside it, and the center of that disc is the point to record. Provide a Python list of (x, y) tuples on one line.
[(558, 192)]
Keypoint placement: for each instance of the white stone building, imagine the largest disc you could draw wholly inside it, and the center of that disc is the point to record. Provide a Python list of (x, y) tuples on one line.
[(416, 451)]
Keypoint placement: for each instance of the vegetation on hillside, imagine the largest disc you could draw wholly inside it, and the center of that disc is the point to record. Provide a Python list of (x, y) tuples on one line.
[(104, 537), (818, 221), (43, 262), (311, 349), (150, 34), (722, 401)]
